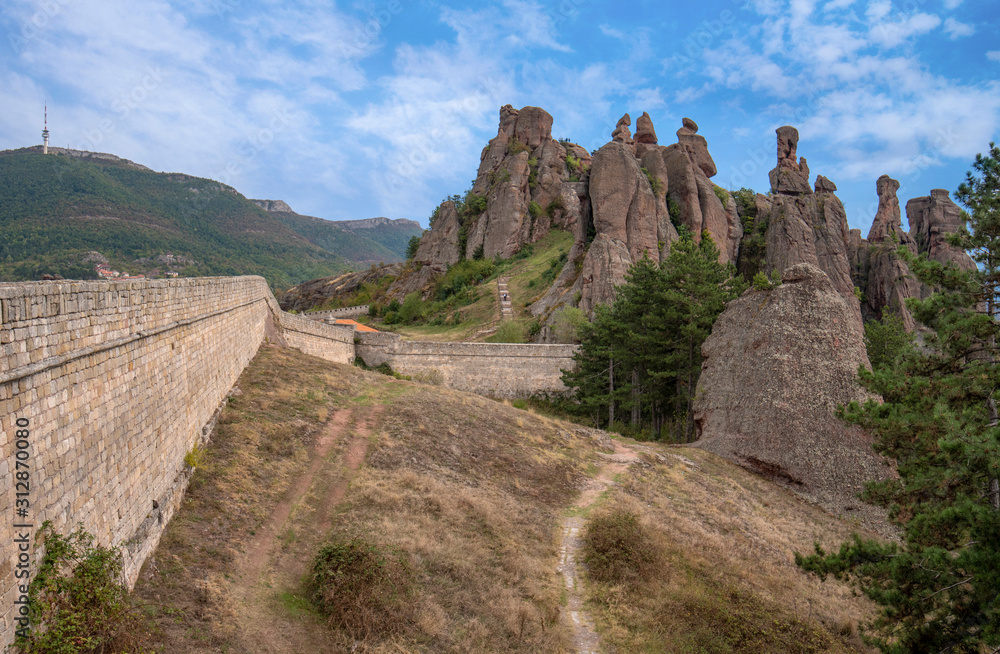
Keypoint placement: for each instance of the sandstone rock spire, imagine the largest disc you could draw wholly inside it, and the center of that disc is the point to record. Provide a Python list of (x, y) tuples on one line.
[(791, 176)]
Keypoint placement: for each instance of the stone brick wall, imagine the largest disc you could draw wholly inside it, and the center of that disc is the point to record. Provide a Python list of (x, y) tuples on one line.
[(328, 342), (501, 370), (345, 312), (117, 382)]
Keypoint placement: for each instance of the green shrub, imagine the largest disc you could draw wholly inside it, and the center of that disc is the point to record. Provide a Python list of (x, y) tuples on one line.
[(462, 275), (654, 182), (78, 601), (535, 209), (411, 309), (887, 340), (411, 247), (363, 588), (516, 147), (762, 282), (557, 204), (617, 548), (721, 193), (674, 210), (473, 205), (572, 163)]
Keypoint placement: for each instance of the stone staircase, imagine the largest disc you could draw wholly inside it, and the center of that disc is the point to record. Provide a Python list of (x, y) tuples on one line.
[(506, 305)]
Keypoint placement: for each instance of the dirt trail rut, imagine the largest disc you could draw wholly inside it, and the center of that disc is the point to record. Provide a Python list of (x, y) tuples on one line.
[(585, 638), (275, 562)]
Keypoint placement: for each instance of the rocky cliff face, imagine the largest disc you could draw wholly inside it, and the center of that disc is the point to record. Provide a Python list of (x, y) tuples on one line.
[(877, 269), (622, 203), (525, 176), (776, 366), (889, 282), (804, 224)]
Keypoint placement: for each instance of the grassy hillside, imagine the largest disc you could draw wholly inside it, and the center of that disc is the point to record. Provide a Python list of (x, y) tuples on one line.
[(330, 236), (55, 209), (462, 304), (462, 500)]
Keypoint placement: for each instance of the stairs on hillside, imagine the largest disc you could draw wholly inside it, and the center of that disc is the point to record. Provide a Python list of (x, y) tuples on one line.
[(506, 305)]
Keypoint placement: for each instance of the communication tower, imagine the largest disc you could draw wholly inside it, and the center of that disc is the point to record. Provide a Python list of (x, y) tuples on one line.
[(45, 132)]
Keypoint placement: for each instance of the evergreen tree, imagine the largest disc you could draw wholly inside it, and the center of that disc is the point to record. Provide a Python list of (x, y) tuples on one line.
[(642, 355), (939, 591)]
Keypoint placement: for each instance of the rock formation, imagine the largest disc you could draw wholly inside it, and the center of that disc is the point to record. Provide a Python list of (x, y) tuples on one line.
[(803, 226), (889, 280), (699, 206), (791, 176), (777, 365), (522, 165), (931, 218), (886, 279)]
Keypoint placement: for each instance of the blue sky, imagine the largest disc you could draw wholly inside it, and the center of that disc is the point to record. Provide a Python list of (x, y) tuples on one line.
[(357, 109)]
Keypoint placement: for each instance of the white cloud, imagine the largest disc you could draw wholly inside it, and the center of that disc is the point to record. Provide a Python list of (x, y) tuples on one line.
[(891, 33), (993, 55), (952, 4), (957, 30)]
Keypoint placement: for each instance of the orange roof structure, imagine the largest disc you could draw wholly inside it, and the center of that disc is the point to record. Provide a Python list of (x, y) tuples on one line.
[(357, 326)]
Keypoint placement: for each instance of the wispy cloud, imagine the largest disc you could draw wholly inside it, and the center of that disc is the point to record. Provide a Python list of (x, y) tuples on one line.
[(956, 30)]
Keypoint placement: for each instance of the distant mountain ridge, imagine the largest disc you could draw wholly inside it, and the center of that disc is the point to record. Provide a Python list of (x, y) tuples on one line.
[(393, 235), (58, 210)]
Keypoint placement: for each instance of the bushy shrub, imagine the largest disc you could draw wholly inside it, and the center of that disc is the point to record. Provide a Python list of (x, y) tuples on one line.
[(78, 601), (618, 548), (362, 587)]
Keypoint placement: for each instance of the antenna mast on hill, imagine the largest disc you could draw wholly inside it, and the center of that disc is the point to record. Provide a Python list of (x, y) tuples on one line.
[(45, 132)]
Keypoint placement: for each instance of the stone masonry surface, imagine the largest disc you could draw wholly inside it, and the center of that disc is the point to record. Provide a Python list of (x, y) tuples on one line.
[(500, 370), (118, 381)]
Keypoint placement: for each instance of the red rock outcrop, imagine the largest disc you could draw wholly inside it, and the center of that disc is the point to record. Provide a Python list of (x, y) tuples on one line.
[(777, 365), (889, 278), (791, 176), (803, 226), (689, 167), (931, 218)]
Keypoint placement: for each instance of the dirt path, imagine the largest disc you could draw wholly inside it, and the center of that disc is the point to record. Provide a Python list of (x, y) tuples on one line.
[(575, 614), (267, 586)]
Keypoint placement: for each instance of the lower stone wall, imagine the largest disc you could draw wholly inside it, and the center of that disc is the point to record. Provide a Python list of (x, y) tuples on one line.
[(328, 342), (104, 388), (500, 370)]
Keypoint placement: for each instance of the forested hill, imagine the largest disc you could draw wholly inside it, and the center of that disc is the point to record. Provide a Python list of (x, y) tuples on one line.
[(61, 214)]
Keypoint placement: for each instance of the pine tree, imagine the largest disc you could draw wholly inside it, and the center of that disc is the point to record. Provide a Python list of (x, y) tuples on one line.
[(940, 590), (642, 355)]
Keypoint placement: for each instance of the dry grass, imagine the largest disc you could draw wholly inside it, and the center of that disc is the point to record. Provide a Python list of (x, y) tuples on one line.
[(472, 491), (467, 490), (470, 494), (730, 583), (259, 446)]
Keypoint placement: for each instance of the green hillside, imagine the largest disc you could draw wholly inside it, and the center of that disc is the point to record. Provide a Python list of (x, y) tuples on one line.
[(56, 209), (329, 236)]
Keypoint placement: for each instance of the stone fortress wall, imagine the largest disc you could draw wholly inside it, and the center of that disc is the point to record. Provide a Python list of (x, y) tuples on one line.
[(117, 381), (344, 312), (500, 370)]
